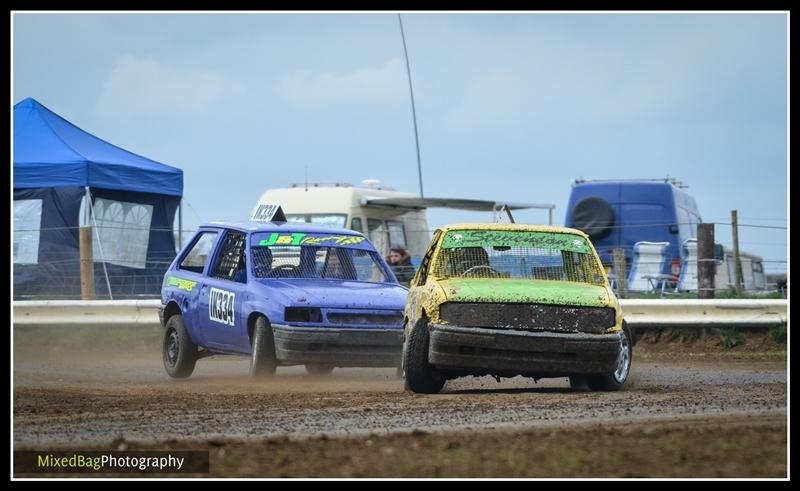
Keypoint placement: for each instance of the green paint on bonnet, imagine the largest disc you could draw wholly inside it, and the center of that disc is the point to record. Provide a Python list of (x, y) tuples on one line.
[(525, 291)]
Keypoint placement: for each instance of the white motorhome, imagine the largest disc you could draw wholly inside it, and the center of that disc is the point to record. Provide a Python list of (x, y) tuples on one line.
[(343, 205), (386, 216)]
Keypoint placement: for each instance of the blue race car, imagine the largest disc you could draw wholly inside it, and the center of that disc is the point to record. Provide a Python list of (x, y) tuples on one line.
[(283, 293)]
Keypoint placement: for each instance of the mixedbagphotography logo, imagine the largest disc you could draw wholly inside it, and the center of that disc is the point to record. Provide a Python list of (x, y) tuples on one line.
[(178, 462)]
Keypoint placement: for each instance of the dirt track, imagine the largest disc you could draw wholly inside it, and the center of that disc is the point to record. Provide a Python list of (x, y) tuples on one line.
[(683, 404)]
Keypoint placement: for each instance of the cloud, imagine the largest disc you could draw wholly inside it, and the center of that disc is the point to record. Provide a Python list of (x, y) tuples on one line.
[(494, 101), (373, 84), (138, 86)]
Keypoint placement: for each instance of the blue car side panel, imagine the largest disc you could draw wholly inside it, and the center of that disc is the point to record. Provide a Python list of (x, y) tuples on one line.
[(219, 312)]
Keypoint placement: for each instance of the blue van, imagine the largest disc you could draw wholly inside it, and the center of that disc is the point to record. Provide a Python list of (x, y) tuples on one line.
[(620, 213)]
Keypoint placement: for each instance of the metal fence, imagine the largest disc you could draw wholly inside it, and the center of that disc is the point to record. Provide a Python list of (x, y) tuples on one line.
[(117, 277)]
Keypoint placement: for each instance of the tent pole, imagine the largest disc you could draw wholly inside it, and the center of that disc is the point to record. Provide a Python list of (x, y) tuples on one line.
[(180, 225), (85, 251), (87, 207)]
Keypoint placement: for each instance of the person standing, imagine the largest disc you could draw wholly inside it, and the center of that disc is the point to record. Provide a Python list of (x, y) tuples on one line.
[(400, 262)]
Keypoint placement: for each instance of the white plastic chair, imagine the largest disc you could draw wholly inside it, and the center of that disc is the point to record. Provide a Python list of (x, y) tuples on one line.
[(648, 263), (687, 281)]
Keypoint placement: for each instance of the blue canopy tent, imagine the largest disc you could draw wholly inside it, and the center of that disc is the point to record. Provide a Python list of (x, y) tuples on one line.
[(132, 199)]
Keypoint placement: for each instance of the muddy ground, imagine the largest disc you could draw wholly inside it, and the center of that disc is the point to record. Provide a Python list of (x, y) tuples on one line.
[(691, 409)]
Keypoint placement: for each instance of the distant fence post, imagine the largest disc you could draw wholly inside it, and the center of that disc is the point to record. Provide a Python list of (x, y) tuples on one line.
[(705, 260), (87, 263), (620, 272), (737, 261)]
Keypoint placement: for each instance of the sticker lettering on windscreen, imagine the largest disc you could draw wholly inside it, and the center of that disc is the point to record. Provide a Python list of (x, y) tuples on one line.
[(307, 239), (515, 238), (220, 306)]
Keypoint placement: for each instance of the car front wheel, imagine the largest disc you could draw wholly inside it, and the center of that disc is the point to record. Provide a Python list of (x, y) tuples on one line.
[(421, 376), (616, 379), (262, 360)]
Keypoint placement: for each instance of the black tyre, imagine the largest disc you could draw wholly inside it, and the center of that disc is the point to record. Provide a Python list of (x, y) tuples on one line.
[(594, 216), (615, 380), (421, 376), (262, 360), (319, 369), (178, 350), (578, 382)]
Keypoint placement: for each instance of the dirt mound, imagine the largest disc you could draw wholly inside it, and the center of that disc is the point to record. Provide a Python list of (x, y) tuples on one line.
[(729, 343)]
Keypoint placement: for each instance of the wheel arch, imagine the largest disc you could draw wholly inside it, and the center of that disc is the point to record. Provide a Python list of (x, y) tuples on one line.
[(172, 308)]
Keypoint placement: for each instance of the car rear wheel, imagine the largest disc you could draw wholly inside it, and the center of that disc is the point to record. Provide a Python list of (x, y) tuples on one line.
[(421, 376), (178, 350), (616, 379), (262, 360), (318, 369)]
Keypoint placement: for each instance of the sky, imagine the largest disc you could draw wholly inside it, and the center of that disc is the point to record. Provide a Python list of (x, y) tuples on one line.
[(510, 106)]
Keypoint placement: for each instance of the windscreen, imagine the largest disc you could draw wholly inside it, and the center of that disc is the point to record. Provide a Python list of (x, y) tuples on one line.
[(320, 256), (507, 254)]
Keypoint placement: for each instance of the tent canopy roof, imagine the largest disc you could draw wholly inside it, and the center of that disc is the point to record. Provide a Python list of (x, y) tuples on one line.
[(49, 151)]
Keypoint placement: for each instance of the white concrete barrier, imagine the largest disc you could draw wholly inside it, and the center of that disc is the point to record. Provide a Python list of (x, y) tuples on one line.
[(67, 313), (656, 312), (730, 312)]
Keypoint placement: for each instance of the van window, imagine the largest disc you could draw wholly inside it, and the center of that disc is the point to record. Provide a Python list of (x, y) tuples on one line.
[(377, 234), (388, 233), (332, 220), (397, 234), (355, 224)]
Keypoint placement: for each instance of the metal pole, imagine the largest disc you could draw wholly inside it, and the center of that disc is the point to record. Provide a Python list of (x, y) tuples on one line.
[(87, 206), (413, 108), (508, 210), (180, 225), (736, 259), (620, 272), (705, 260), (550, 216)]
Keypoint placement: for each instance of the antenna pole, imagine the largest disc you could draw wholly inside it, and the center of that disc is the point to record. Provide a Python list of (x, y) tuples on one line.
[(413, 109)]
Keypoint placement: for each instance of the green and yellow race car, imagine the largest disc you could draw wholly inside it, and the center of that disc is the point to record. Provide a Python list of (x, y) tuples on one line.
[(511, 299)]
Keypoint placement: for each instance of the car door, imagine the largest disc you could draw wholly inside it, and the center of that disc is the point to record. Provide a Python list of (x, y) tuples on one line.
[(222, 296), (417, 286), (185, 281)]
